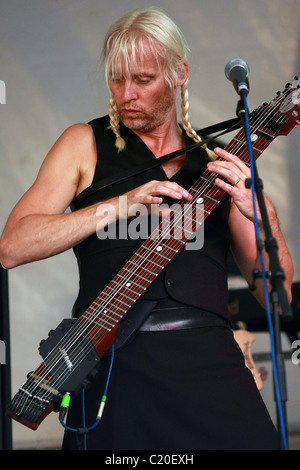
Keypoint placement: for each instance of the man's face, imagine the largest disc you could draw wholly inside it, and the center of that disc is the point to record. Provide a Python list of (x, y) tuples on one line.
[(144, 99)]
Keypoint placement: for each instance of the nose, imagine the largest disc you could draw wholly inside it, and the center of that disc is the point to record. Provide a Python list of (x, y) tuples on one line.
[(129, 90)]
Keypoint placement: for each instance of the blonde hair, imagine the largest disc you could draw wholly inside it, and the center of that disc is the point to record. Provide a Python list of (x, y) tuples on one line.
[(126, 40)]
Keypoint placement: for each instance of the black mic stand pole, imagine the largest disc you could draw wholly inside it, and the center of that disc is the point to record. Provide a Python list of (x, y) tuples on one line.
[(5, 367), (278, 294)]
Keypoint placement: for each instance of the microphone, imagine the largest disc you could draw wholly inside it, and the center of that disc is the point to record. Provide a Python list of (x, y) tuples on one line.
[(236, 70)]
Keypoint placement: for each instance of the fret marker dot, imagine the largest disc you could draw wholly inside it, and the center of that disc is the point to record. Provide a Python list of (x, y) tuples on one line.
[(128, 284), (199, 200), (159, 248), (254, 137)]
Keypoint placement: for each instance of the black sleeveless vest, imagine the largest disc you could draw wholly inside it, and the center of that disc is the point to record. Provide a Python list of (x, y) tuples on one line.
[(196, 278)]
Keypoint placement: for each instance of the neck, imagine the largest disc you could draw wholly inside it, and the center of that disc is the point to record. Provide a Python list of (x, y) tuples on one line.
[(163, 139)]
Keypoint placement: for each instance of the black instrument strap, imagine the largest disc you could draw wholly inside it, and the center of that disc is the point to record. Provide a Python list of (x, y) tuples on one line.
[(230, 125)]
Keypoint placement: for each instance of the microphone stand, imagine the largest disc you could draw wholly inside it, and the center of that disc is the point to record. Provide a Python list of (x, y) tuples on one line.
[(278, 294), (6, 439)]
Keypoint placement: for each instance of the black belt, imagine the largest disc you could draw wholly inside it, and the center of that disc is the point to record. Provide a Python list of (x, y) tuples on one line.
[(181, 319)]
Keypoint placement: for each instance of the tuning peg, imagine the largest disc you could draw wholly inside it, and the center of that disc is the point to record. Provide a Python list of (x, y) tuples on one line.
[(44, 340)]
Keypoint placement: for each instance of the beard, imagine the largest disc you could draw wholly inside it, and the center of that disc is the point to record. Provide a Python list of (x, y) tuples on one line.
[(142, 120), (139, 121)]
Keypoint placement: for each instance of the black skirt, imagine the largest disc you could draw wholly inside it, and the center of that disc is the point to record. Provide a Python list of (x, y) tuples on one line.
[(174, 390)]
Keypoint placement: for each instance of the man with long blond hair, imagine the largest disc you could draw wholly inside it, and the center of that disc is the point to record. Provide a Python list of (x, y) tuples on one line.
[(180, 382)]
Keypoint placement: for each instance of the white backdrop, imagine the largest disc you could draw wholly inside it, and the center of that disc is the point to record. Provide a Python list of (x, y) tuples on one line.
[(49, 56)]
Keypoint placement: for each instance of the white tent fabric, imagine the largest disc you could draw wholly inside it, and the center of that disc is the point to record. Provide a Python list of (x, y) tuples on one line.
[(51, 78)]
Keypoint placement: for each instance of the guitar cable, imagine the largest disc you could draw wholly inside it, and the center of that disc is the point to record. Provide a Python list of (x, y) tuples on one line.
[(65, 403), (276, 382)]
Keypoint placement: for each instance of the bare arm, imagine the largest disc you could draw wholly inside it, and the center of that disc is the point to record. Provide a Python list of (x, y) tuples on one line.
[(242, 227), (38, 226), (245, 251)]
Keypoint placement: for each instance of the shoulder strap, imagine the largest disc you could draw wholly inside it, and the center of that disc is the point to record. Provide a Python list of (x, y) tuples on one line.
[(232, 123)]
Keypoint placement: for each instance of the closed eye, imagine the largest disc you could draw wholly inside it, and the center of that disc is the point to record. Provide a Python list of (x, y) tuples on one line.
[(143, 78)]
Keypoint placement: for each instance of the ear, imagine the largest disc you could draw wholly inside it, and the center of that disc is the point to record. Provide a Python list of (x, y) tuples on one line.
[(182, 74)]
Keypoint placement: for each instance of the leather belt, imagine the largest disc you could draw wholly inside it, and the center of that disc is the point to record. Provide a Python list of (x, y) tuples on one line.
[(181, 319)]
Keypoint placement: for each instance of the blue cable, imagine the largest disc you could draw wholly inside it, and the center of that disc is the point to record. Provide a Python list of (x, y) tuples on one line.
[(103, 400), (277, 392)]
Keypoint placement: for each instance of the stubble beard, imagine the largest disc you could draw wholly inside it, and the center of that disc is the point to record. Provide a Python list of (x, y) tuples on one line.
[(147, 121), (142, 123)]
